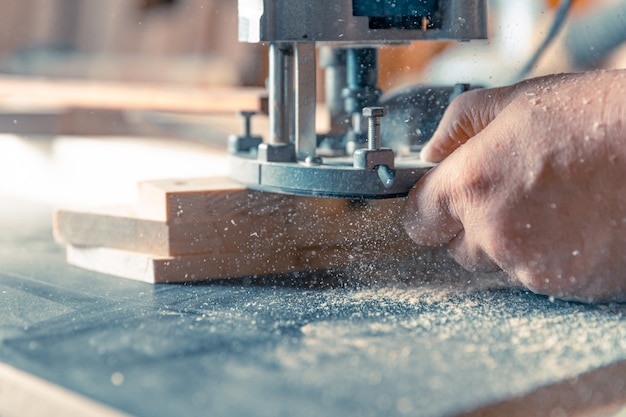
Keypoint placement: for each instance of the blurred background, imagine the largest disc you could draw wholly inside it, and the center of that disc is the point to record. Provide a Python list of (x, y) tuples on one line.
[(167, 41), (176, 52), (194, 42)]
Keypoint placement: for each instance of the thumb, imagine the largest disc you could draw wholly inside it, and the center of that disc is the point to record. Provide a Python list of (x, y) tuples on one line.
[(465, 117), (428, 216)]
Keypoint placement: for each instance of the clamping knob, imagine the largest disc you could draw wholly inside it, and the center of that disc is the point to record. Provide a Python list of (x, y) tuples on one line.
[(373, 157), (245, 143)]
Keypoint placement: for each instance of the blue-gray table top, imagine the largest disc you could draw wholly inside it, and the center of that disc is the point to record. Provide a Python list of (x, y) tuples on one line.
[(273, 348)]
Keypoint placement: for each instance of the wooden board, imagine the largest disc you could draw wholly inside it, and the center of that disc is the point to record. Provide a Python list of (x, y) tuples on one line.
[(41, 106), (33, 93), (190, 268), (196, 229), (18, 389)]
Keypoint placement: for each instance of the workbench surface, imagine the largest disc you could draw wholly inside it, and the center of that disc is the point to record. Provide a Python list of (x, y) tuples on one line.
[(247, 348)]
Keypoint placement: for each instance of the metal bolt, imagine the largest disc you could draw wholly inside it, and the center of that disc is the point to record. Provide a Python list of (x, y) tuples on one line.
[(247, 125), (373, 115)]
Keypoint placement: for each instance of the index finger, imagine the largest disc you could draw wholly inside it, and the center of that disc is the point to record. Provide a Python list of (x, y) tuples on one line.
[(465, 117)]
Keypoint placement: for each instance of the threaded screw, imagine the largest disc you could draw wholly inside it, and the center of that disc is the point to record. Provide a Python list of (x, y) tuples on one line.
[(373, 115)]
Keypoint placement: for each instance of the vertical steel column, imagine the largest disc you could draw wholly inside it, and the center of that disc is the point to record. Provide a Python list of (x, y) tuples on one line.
[(305, 102), (281, 92), (361, 90), (333, 60)]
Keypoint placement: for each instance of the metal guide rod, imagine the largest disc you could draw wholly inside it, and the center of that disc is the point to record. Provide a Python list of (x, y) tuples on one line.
[(281, 92), (305, 102)]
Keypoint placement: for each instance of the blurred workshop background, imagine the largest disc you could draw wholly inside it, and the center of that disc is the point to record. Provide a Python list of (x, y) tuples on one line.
[(166, 41), (194, 42), (60, 154)]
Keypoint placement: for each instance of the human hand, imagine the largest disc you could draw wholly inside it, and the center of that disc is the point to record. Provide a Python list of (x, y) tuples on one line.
[(532, 181)]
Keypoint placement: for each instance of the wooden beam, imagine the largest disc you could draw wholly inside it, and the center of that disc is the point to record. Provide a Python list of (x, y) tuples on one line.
[(195, 216), (20, 93), (195, 229), (177, 269), (276, 261)]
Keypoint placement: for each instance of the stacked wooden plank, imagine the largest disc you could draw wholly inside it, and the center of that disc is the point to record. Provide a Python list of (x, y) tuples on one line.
[(96, 108), (198, 229)]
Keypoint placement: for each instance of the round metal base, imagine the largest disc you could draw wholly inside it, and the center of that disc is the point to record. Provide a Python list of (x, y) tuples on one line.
[(339, 179)]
